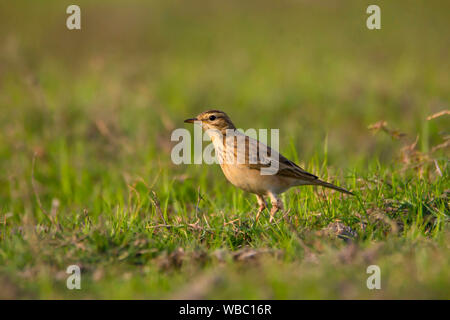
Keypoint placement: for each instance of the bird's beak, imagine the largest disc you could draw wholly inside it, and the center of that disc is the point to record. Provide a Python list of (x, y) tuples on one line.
[(190, 120)]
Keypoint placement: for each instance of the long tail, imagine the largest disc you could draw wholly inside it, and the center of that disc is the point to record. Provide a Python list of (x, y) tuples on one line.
[(331, 186)]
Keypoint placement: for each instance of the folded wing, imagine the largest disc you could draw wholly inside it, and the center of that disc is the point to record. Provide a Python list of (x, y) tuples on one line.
[(257, 156)]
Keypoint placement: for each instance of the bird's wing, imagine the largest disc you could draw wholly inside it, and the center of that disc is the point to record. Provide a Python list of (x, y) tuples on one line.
[(290, 169), (259, 156)]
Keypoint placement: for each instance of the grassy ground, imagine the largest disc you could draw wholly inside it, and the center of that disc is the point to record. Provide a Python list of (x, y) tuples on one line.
[(86, 176)]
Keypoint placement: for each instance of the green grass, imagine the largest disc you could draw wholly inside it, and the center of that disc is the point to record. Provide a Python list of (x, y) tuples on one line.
[(95, 109)]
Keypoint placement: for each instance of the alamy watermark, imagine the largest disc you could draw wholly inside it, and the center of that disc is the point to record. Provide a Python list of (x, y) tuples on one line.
[(233, 146), (74, 280), (374, 20), (73, 21), (374, 281)]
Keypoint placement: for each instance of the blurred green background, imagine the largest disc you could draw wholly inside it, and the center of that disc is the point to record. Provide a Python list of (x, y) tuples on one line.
[(311, 68), (97, 105)]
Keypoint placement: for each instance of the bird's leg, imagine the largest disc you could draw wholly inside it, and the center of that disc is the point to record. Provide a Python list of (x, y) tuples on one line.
[(262, 205), (277, 205)]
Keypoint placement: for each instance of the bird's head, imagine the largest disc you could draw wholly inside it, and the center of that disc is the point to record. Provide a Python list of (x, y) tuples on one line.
[(213, 119)]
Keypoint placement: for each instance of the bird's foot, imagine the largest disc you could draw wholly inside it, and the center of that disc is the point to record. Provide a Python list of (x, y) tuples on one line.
[(277, 205), (262, 206), (260, 209), (274, 210)]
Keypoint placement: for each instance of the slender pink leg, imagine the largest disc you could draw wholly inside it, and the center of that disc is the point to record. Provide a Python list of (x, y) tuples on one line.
[(262, 205)]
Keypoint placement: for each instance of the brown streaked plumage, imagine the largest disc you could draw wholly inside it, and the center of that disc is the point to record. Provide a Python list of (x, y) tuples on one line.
[(246, 169)]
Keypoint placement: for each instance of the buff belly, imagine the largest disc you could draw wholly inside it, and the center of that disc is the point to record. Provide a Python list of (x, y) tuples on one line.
[(251, 180)]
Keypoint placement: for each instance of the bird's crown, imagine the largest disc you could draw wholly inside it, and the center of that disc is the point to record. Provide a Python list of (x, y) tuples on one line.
[(214, 119)]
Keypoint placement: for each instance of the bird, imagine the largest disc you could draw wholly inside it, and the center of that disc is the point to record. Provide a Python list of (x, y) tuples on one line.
[(248, 173)]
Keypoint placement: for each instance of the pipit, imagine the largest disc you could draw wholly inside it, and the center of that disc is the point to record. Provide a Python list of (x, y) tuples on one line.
[(246, 162)]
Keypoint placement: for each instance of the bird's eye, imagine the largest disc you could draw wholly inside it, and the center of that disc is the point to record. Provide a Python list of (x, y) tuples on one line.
[(212, 118)]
